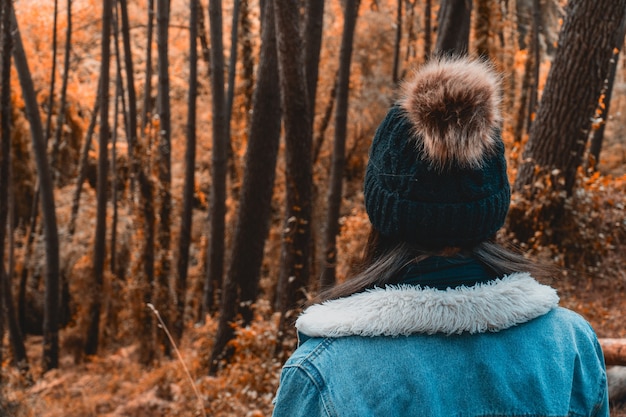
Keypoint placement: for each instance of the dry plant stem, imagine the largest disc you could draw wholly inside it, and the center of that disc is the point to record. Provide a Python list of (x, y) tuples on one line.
[(180, 358)]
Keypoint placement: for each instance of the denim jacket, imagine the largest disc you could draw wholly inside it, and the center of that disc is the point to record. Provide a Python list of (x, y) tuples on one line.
[(497, 348)]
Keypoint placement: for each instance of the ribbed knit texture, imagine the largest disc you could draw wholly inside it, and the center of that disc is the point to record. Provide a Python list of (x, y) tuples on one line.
[(408, 198)]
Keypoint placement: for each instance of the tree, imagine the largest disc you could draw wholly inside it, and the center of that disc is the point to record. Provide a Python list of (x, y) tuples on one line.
[(602, 111), (294, 270), (454, 27), (51, 301), (147, 92), (190, 161), (559, 133), (482, 26), (217, 214), (335, 190), (164, 166), (427, 28), (253, 215), (313, 27), (397, 43), (64, 82), (146, 188), (99, 252)]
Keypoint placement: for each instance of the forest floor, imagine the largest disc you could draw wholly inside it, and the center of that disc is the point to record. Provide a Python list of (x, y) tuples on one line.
[(115, 385)]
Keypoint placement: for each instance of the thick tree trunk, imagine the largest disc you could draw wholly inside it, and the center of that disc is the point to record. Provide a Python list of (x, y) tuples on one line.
[(51, 301), (295, 259), (453, 27), (559, 133), (253, 216), (335, 190)]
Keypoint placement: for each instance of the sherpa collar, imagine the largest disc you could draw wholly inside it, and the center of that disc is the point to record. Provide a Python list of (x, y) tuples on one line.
[(401, 310)]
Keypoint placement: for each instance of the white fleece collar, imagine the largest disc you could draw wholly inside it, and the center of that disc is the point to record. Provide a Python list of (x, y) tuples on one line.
[(402, 310)]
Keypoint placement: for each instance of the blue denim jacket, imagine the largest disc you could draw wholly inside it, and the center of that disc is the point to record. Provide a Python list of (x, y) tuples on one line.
[(501, 348)]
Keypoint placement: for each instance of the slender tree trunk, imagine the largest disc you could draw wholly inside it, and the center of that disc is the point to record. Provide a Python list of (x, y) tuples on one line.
[(295, 259), (232, 65), (51, 301), (335, 190), (602, 111), (53, 71), (318, 142), (190, 161), (482, 27), (82, 165), (253, 216), (428, 43), (164, 169), (247, 57), (453, 27), (215, 269), (63, 101), (313, 28), (536, 64), (99, 255), (147, 89), (396, 46)]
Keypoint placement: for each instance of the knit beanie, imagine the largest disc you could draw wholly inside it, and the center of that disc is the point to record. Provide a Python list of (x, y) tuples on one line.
[(436, 174)]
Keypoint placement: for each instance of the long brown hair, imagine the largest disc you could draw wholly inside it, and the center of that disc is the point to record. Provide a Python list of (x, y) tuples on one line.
[(384, 258)]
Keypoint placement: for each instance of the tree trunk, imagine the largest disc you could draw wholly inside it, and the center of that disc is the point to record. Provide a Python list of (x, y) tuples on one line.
[(294, 270), (453, 27), (162, 297), (82, 165), (232, 65), (313, 27), (335, 190), (51, 301), (53, 72), (147, 89), (146, 189), (190, 161), (427, 29), (99, 254), (63, 101), (253, 216), (602, 112), (397, 43), (482, 27), (217, 214), (536, 64), (559, 134)]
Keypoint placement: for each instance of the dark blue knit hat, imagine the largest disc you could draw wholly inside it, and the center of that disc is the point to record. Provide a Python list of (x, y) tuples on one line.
[(436, 175)]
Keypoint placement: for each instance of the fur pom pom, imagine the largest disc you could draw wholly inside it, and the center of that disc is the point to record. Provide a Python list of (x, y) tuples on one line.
[(453, 105)]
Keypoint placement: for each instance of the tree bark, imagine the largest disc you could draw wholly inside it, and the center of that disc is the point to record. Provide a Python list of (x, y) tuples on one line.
[(63, 101), (313, 28), (99, 254), (607, 91), (427, 29), (147, 89), (253, 216), (51, 301), (335, 190), (482, 27), (294, 271), (559, 134), (453, 27), (190, 161), (217, 214), (164, 153), (396, 46)]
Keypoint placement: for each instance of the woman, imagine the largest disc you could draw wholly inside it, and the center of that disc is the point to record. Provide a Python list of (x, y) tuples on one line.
[(442, 321)]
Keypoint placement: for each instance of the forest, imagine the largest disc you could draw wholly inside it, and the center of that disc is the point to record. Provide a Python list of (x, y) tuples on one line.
[(178, 178)]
